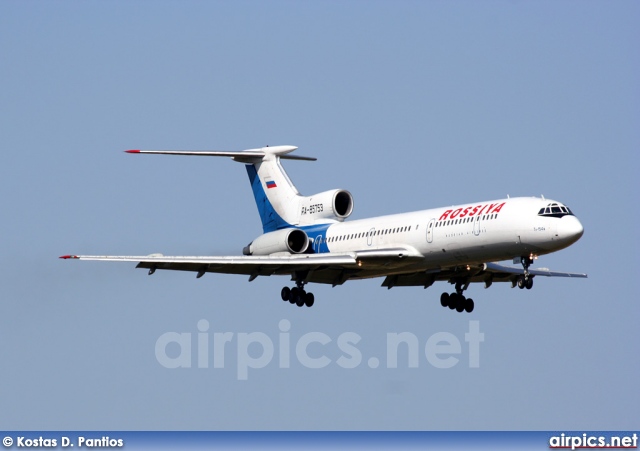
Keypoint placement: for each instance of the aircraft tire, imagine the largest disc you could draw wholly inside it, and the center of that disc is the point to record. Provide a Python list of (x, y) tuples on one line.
[(309, 299), (444, 299), (529, 283), (453, 300), (300, 299), (285, 293), (461, 304), (469, 305), (521, 282)]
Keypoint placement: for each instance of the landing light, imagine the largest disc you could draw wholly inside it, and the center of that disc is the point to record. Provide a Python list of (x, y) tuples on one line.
[(359, 263)]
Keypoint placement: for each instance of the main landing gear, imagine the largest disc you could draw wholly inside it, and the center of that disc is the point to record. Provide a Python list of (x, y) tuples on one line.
[(457, 300), (297, 295)]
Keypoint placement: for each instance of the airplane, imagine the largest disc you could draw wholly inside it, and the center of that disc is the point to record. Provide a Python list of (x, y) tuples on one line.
[(309, 239)]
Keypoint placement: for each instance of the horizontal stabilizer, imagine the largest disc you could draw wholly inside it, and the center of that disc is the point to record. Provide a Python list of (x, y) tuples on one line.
[(245, 156)]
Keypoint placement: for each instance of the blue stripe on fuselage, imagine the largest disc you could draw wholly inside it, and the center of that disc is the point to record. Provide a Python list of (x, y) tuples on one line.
[(317, 233)]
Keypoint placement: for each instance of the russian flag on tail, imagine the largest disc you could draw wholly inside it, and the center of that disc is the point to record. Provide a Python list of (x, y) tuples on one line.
[(271, 184)]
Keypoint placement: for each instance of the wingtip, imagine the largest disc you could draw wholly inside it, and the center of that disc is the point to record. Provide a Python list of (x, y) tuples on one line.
[(66, 257), (132, 151)]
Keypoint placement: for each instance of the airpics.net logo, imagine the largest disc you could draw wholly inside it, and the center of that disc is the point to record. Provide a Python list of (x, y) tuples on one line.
[(253, 351)]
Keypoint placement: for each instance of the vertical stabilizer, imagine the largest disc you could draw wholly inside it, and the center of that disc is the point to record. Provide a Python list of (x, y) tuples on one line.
[(276, 197)]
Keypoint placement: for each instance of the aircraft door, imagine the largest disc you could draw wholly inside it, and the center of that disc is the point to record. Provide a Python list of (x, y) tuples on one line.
[(476, 226), (370, 235), (430, 231)]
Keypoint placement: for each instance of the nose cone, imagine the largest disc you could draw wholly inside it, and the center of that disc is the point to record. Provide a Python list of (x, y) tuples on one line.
[(570, 229)]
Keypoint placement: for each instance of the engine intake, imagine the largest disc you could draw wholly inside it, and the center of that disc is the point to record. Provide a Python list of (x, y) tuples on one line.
[(294, 241)]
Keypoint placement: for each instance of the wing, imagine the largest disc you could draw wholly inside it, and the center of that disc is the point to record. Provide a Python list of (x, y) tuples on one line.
[(332, 268), (486, 273)]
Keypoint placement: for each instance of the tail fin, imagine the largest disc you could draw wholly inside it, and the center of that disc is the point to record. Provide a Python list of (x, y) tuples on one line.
[(276, 197)]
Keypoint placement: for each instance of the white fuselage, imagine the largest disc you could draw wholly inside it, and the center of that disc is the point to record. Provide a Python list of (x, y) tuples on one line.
[(469, 233)]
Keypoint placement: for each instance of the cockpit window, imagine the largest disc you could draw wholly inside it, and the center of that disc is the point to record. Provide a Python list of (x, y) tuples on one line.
[(555, 210)]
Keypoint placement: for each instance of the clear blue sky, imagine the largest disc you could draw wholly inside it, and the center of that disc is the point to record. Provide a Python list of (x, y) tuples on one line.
[(409, 105)]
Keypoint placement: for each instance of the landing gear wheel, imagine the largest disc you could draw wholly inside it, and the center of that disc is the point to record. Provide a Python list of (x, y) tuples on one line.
[(521, 282), (529, 283), (469, 305), (285, 293), (300, 298), (293, 295), (453, 300), (461, 304), (309, 299), (444, 299)]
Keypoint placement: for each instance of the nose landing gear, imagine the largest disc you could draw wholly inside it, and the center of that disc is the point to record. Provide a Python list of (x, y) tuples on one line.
[(525, 281)]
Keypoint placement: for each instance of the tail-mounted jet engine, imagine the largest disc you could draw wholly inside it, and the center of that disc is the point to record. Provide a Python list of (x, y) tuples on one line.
[(294, 241), (334, 204)]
